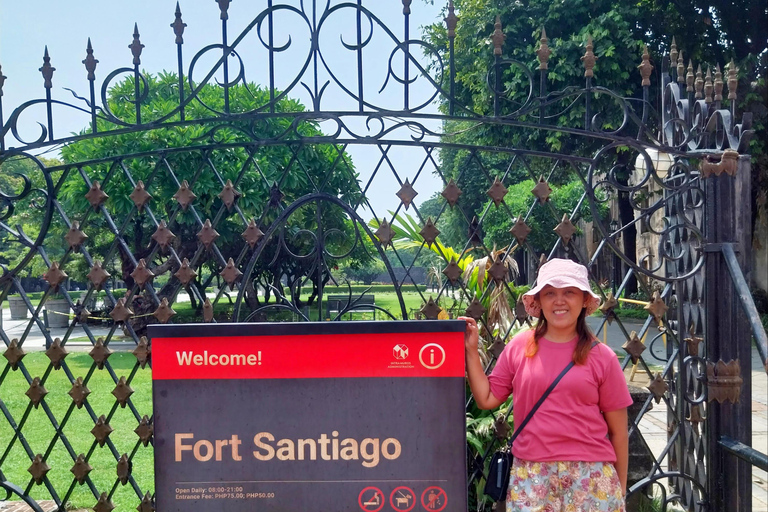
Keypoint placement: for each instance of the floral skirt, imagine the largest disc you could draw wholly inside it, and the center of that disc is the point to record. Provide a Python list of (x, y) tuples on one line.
[(568, 486)]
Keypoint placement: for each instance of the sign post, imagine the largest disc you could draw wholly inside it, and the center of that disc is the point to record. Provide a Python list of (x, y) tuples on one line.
[(342, 416)]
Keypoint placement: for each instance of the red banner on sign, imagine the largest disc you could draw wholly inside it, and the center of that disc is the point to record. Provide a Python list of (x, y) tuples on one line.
[(309, 356)]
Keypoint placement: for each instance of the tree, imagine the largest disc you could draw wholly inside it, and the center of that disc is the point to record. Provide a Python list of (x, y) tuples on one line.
[(256, 171)]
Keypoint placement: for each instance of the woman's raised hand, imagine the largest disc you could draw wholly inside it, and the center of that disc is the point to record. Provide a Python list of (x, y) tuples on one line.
[(471, 335)]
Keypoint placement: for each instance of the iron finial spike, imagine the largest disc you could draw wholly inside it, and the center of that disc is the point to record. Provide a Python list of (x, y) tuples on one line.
[(47, 70), (136, 45), (708, 85), (543, 52), (498, 36), (90, 61), (178, 26), (646, 67), (689, 77), (673, 51), (223, 7), (699, 84), (589, 59), (451, 20), (680, 68), (718, 84), (406, 6)]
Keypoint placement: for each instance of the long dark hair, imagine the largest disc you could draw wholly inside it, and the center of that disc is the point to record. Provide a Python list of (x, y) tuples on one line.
[(586, 337)]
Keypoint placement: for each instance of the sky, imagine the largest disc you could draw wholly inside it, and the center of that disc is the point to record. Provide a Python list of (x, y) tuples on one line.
[(26, 28)]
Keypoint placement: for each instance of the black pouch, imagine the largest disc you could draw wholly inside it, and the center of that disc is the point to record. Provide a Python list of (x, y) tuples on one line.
[(497, 483)]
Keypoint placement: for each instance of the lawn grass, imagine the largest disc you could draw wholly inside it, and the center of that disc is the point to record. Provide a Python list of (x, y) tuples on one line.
[(38, 430)]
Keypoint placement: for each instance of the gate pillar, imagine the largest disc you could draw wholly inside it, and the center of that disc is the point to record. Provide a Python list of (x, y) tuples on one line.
[(727, 335)]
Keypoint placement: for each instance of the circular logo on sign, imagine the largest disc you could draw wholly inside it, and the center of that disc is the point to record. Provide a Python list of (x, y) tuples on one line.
[(402, 499), (432, 356)]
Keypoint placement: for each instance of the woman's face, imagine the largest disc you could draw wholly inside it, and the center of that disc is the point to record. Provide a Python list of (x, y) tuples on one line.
[(561, 306)]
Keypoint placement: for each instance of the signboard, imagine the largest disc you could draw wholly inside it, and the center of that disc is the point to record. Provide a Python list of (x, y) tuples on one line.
[(317, 417)]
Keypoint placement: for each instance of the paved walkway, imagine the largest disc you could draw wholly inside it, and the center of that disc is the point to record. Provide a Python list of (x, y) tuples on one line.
[(653, 424)]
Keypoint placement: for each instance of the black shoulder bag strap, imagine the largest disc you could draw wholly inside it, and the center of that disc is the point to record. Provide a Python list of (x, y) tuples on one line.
[(541, 400)]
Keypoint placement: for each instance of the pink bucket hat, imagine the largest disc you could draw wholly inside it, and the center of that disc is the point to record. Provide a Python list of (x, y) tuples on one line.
[(560, 273)]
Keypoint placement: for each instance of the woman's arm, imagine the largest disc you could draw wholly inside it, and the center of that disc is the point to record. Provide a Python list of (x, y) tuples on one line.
[(619, 437), (478, 380)]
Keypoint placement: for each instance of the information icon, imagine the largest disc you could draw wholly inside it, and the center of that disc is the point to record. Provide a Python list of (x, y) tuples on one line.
[(432, 356)]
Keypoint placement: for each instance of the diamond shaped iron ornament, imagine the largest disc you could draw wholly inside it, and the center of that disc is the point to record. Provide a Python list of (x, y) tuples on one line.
[(122, 392), (451, 193), (54, 276), (496, 348), (145, 430), (100, 353), (163, 236), (634, 347), (656, 307), (406, 193), (385, 233), (141, 274), (521, 315), (164, 312), (56, 353), (207, 311), (140, 196), (474, 233), (497, 192), (185, 274), (658, 387), (542, 191), (81, 469), (231, 273), (452, 271), (96, 196), (79, 392), (97, 275), (475, 309), (14, 354), (184, 196), (501, 428), (36, 392), (121, 313), (143, 352), (498, 270), (229, 194), (207, 235), (124, 468), (101, 430), (429, 232), (275, 195), (252, 234), (146, 505), (104, 504), (38, 469), (520, 230), (565, 230), (74, 237), (431, 310)]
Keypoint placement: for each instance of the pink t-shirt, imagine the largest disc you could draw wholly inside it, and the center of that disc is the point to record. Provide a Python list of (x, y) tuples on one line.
[(569, 425)]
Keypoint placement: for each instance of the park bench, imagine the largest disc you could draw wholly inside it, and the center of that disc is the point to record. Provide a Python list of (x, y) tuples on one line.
[(361, 303)]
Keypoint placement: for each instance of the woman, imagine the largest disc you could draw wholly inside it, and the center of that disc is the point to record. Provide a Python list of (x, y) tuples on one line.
[(572, 455)]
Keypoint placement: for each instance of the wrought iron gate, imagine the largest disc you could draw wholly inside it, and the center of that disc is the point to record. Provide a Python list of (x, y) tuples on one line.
[(247, 202)]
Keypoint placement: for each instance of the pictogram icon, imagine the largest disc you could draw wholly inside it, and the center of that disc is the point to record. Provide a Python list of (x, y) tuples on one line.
[(371, 499), (433, 499), (400, 351), (402, 499)]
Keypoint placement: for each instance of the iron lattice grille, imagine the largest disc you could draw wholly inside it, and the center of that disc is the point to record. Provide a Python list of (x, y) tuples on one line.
[(246, 207)]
